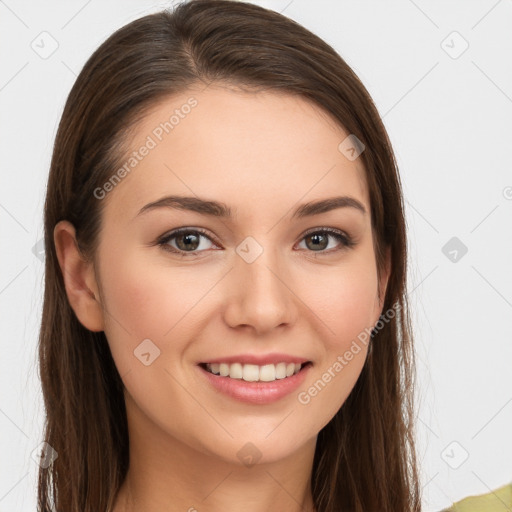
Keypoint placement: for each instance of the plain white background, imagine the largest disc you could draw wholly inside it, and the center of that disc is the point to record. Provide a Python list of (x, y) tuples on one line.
[(441, 78)]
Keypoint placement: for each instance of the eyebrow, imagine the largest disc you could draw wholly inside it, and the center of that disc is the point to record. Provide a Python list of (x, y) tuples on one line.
[(221, 210)]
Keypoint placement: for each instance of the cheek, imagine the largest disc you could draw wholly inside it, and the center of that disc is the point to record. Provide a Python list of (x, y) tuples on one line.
[(133, 305), (344, 300), (133, 299), (144, 300), (351, 309), (148, 299)]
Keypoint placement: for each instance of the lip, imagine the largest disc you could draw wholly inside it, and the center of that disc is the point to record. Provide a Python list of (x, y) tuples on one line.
[(259, 360), (257, 393)]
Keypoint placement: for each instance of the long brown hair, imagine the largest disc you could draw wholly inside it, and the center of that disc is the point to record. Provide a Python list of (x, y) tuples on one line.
[(365, 456)]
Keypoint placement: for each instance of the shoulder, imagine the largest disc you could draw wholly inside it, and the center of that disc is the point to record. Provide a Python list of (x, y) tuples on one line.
[(499, 500)]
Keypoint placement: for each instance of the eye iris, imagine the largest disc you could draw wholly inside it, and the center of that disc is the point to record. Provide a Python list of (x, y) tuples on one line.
[(187, 245), (316, 237)]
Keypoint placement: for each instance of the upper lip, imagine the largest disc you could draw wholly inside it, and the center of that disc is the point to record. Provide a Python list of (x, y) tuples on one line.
[(259, 360)]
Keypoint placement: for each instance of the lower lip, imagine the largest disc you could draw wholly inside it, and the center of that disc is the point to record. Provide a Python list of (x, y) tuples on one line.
[(258, 393)]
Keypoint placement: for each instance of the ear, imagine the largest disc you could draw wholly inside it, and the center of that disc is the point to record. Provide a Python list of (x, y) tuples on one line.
[(383, 284), (79, 278)]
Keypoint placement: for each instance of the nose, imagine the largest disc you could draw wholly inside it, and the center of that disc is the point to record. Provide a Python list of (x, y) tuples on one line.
[(260, 295)]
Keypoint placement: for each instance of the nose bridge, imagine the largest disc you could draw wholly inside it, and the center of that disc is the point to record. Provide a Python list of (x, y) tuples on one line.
[(260, 296)]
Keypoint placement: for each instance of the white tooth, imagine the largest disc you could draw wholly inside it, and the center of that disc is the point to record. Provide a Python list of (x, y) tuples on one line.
[(235, 371), (268, 373), (251, 372), (254, 373), (280, 370)]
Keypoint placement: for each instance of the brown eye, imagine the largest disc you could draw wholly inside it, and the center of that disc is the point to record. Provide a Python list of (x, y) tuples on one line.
[(318, 241), (185, 241)]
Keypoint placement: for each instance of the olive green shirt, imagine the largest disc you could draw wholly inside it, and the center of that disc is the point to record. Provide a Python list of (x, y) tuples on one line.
[(499, 500)]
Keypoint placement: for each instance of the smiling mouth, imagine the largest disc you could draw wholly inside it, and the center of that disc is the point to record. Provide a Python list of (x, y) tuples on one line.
[(254, 373)]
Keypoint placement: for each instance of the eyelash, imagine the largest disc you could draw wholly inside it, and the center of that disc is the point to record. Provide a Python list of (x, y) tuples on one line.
[(345, 240)]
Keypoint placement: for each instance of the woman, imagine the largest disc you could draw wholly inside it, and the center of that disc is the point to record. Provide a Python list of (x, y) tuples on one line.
[(225, 323)]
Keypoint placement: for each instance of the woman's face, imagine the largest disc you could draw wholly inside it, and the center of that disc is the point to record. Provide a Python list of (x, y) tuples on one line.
[(259, 282)]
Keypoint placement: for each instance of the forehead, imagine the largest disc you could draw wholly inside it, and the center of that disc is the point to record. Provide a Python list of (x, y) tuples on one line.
[(225, 144)]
